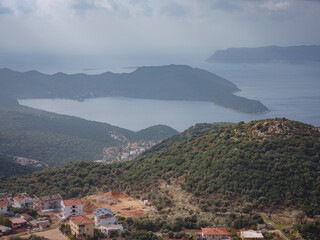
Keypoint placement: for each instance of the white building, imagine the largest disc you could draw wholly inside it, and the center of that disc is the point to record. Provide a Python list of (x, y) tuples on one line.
[(251, 235), (104, 216), (3, 208), (71, 207), (105, 221), (110, 228), (133, 153), (23, 200)]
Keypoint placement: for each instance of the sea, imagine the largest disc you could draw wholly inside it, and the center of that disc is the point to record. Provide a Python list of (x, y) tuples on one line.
[(290, 91)]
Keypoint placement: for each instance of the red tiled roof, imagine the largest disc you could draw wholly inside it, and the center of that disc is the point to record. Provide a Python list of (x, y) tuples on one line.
[(20, 197), (215, 231), (3, 204), (72, 202), (18, 220), (81, 220)]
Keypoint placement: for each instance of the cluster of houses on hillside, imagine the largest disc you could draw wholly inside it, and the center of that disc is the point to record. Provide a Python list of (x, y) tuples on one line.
[(125, 152), (29, 162), (71, 210)]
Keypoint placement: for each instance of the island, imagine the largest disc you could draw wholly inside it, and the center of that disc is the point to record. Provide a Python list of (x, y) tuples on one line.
[(270, 54), (171, 82)]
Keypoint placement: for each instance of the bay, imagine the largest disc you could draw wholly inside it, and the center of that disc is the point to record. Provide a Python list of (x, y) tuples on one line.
[(288, 90)]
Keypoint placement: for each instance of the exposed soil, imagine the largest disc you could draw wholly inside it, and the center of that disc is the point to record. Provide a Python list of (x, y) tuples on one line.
[(52, 234), (119, 202)]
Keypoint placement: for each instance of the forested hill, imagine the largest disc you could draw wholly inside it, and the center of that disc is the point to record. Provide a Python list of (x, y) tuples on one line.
[(57, 139), (270, 54), (172, 82), (272, 163), (193, 131)]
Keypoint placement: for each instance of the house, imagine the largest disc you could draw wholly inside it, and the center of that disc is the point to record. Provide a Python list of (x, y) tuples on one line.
[(106, 221), (23, 200), (26, 217), (214, 233), (9, 201), (81, 226), (4, 230), (3, 208), (49, 203), (104, 216), (251, 235), (71, 207), (106, 229), (18, 223), (5, 197), (43, 224)]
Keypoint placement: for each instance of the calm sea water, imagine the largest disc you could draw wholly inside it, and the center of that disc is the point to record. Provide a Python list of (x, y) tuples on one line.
[(290, 91)]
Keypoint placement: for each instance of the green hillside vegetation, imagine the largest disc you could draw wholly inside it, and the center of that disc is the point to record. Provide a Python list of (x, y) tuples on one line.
[(56, 139), (172, 82), (266, 163), (198, 129)]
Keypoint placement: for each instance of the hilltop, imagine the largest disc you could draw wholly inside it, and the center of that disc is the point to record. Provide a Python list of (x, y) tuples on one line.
[(267, 163), (270, 54), (57, 139), (172, 82)]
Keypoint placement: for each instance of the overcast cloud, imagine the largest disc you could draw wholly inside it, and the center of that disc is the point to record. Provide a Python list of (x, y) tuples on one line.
[(100, 27)]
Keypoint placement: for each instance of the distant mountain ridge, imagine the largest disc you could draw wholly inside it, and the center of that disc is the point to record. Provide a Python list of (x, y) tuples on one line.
[(172, 82), (269, 54)]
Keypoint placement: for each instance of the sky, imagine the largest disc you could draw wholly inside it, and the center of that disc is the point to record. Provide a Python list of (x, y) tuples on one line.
[(153, 27)]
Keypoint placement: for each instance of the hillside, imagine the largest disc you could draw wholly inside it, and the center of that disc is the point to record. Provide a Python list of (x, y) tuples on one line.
[(57, 139), (198, 129), (172, 82), (270, 54), (9, 168), (267, 163)]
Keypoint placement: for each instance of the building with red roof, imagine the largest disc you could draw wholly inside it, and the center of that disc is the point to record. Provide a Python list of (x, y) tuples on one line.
[(18, 223), (214, 233), (82, 226), (71, 207), (23, 200)]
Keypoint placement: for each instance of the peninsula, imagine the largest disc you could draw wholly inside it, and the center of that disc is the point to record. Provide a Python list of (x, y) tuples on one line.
[(171, 82)]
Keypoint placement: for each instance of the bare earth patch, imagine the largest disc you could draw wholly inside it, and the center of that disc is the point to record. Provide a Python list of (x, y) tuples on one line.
[(119, 202), (52, 234)]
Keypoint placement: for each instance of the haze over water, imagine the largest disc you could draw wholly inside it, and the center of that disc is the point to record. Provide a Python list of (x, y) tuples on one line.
[(290, 91)]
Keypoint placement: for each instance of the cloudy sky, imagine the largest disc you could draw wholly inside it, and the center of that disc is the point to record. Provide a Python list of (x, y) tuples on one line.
[(119, 27)]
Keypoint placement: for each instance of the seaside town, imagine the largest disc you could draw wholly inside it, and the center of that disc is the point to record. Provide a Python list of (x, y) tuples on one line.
[(29, 162), (53, 217), (125, 152)]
